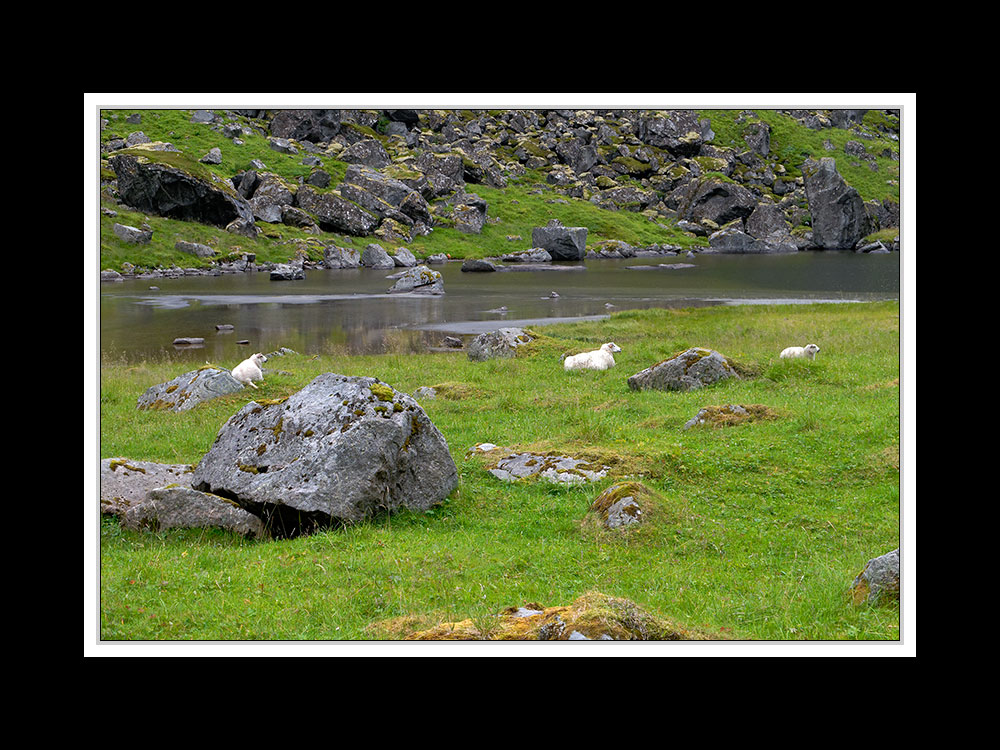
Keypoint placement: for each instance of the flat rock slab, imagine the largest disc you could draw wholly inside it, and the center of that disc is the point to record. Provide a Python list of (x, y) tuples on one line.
[(555, 469), (190, 389), (125, 482)]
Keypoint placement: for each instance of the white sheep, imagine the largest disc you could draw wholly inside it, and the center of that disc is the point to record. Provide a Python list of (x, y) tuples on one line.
[(249, 370), (599, 359), (798, 352)]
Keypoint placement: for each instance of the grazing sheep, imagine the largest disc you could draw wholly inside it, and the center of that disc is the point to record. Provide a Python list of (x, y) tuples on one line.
[(599, 359), (249, 370), (797, 352)]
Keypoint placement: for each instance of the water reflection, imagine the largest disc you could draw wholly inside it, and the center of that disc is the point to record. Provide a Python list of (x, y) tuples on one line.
[(349, 311)]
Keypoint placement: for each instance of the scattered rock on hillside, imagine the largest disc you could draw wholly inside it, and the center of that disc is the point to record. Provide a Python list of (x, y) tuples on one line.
[(561, 243), (190, 389), (689, 370), (340, 450), (501, 343), (132, 234), (194, 248)]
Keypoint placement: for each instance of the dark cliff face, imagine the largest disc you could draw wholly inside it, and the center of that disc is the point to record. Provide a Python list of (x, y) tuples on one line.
[(170, 192)]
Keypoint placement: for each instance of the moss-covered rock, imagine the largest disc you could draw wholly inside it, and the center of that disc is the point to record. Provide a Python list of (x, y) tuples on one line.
[(592, 617)]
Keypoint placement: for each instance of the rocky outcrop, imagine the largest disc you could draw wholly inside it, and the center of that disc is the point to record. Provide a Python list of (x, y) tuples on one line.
[(169, 191), (839, 218), (340, 450)]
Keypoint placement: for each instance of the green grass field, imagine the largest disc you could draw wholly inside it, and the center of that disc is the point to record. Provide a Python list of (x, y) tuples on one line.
[(764, 525)]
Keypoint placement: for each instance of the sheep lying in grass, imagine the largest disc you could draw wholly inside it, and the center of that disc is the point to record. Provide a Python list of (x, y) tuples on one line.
[(800, 352), (249, 370), (600, 359)]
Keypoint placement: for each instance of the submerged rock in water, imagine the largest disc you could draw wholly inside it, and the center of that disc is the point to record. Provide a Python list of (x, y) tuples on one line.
[(340, 450), (418, 280)]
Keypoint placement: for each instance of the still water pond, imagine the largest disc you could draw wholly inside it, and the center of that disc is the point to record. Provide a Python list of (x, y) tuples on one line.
[(348, 311)]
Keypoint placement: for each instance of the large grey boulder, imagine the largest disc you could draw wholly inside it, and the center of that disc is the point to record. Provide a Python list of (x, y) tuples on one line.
[(186, 508), (315, 125), (341, 257), (190, 389), (838, 214), (335, 213), (375, 256), (133, 235), (562, 243), (501, 343), (718, 200), (689, 370), (383, 195), (340, 450), (418, 280), (170, 191), (270, 195), (681, 131), (125, 482)]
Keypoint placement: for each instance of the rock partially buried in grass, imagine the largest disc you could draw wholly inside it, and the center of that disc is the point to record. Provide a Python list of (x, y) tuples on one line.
[(692, 369), (592, 617), (340, 450), (190, 389), (879, 581), (730, 414), (551, 468), (501, 343)]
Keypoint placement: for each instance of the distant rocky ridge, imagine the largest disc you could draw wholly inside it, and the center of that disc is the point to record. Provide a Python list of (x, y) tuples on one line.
[(421, 172)]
